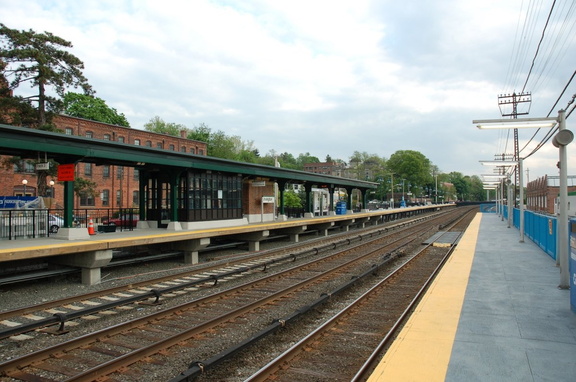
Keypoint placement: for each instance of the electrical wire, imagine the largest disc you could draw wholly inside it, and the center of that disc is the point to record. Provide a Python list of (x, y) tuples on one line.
[(539, 44), (549, 28)]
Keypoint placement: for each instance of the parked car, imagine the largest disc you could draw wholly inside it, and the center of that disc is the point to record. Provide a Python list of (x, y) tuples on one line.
[(54, 223), (122, 221)]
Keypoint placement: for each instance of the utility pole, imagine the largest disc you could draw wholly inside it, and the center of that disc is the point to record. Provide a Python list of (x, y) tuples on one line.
[(504, 103)]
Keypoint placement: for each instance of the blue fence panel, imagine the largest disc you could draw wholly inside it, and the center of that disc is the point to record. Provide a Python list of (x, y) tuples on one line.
[(539, 228)]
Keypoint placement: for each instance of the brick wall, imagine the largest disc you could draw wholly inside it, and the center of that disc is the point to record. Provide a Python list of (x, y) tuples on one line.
[(121, 183)]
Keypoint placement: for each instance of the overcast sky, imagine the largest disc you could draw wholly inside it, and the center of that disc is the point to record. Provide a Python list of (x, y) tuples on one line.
[(325, 77)]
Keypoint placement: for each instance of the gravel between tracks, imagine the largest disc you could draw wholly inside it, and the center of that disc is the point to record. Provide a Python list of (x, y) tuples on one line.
[(235, 370)]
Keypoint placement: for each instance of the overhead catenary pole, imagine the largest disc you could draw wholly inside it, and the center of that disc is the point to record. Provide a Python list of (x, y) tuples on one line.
[(561, 141), (521, 202), (514, 99)]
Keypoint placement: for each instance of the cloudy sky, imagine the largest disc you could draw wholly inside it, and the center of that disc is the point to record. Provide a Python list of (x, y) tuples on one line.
[(328, 77)]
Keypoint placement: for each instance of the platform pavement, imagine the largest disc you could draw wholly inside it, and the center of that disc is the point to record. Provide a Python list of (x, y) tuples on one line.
[(494, 313)]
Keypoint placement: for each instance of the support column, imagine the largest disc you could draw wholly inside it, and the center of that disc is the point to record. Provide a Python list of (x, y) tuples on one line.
[(191, 249), (293, 232), (323, 228), (308, 213), (68, 204), (282, 189), (90, 262), (349, 195), (331, 209), (253, 239)]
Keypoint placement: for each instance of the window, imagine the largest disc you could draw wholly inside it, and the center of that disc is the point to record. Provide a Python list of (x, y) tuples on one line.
[(86, 199), (118, 198), (137, 142), (200, 152), (106, 171), (120, 172), (148, 143), (135, 197), (183, 149), (192, 151), (105, 197), (213, 196), (159, 145), (172, 147), (88, 169), (136, 174), (69, 131), (25, 167), (121, 139), (106, 137), (89, 134)]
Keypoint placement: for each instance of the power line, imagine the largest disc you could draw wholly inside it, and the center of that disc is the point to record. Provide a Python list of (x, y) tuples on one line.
[(552, 131), (539, 44)]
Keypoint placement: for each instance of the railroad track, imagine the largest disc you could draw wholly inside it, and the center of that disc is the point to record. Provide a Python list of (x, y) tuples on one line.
[(62, 311), (125, 351), (358, 328)]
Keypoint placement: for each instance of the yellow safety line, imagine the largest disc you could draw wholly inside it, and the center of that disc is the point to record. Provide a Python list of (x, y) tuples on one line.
[(422, 350)]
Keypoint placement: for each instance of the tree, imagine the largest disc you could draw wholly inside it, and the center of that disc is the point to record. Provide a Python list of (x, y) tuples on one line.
[(92, 108), (292, 199), (157, 125), (306, 158), (477, 192), (40, 59), (200, 133), (367, 166), (14, 110), (287, 160), (411, 166)]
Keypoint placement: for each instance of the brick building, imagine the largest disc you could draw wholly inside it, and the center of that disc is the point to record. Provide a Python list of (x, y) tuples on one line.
[(117, 185), (325, 168), (542, 193)]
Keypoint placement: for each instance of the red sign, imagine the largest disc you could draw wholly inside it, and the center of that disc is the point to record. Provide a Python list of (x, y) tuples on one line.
[(66, 172)]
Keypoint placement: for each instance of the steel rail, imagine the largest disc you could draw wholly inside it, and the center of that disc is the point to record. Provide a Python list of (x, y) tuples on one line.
[(368, 366), (264, 373), (61, 319), (39, 356)]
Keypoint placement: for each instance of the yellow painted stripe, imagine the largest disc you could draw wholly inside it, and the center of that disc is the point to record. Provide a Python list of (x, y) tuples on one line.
[(422, 350)]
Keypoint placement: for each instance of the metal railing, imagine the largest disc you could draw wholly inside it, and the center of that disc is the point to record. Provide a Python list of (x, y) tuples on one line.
[(37, 223), (24, 224)]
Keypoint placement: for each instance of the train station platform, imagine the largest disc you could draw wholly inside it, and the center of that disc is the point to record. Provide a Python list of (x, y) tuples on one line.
[(494, 313)]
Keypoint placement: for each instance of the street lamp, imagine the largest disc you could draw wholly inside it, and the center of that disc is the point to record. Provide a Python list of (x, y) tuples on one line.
[(436, 192), (517, 123), (52, 192), (24, 183), (560, 140)]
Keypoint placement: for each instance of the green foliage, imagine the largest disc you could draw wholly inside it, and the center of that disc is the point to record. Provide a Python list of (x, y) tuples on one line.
[(367, 166), (200, 133), (85, 187), (306, 158), (292, 199), (41, 60), (92, 108), (221, 145), (412, 166), (157, 125)]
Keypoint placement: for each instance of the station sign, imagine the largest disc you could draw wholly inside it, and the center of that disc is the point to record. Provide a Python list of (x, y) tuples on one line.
[(66, 172), (42, 166), (267, 199)]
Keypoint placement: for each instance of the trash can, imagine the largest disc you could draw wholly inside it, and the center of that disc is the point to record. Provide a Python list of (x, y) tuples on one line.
[(572, 264), (341, 208)]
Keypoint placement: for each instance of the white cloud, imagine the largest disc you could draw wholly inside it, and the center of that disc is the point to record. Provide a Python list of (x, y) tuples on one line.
[(324, 77)]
